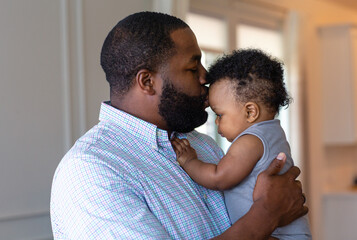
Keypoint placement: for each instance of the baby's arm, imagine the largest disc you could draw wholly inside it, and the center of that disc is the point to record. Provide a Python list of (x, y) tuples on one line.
[(231, 170)]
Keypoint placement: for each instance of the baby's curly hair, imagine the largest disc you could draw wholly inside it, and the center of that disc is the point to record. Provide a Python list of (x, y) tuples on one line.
[(255, 75)]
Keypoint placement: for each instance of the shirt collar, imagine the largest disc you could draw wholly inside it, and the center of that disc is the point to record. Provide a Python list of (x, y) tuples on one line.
[(138, 128)]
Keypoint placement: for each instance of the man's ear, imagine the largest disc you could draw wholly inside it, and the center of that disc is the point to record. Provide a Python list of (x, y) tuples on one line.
[(252, 111), (144, 79)]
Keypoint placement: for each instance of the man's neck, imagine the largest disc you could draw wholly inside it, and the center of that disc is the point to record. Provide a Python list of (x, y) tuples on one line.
[(143, 109)]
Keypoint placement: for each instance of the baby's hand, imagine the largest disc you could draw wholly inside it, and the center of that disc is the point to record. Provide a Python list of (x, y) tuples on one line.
[(184, 151)]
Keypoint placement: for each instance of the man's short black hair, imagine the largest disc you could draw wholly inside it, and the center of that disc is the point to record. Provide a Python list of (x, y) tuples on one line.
[(255, 75), (140, 41)]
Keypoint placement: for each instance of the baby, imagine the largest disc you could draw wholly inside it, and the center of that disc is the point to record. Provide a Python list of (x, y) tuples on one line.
[(246, 92)]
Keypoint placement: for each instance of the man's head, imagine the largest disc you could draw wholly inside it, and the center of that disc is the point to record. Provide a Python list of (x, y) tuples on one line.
[(141, 40), (153, 65)]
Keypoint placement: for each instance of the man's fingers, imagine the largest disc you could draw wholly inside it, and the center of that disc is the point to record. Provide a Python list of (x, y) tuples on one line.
[(293, 173), (277, 164), (302, 211), (304, 198), (305, 211), (298, 183)]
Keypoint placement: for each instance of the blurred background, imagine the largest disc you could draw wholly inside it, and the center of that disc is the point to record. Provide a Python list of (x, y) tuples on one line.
[(52, 86)]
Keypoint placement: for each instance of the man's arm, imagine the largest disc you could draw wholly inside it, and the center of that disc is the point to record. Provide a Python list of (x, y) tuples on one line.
[(278, 200)]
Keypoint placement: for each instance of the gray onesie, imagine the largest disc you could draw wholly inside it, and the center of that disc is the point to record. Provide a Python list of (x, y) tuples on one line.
[(240, 198)]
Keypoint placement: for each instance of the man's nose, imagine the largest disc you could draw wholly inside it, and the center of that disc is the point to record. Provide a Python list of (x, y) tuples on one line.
[(202, 77)]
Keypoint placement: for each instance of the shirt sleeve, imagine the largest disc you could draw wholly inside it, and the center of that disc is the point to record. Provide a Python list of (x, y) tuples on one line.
[(93, 201)]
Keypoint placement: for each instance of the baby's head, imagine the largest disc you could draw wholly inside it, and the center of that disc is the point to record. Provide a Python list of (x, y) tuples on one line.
[(252, 83)]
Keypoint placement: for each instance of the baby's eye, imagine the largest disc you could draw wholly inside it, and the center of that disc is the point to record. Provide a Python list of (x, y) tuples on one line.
[(219, 115)]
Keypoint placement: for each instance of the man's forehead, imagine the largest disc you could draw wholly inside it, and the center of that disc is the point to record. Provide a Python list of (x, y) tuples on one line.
[(186, 43), (188, 55)]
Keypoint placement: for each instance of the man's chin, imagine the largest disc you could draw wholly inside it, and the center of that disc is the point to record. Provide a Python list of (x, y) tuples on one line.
[(204, 120), (190, 126)]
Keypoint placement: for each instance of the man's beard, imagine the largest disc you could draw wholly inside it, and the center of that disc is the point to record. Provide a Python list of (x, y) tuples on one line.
[(182, 113)]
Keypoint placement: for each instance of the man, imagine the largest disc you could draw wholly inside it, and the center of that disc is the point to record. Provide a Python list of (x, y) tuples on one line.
[(121, 179)]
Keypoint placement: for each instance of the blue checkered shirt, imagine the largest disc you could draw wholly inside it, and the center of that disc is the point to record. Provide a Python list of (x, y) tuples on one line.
[(121, 180)]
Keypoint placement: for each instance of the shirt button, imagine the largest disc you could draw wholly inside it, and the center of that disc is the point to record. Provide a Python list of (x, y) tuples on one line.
[(205, 196)]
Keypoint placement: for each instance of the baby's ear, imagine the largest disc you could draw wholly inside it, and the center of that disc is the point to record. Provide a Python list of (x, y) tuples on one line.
[(252, 111)]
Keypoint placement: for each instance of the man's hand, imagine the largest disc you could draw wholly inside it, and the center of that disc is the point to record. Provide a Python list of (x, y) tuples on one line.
[(278, 200), (281, 195)]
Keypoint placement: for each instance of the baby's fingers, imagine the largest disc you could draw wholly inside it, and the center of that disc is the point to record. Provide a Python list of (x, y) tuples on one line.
[(185, 142), (176, 145), (179, 146), (182, 143)]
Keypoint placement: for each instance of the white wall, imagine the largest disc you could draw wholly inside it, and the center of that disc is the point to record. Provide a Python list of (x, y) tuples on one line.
[(50, 93)]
